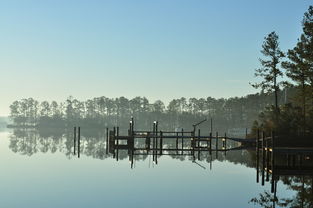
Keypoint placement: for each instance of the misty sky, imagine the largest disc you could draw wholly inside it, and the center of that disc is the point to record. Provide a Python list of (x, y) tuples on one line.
[(160, 49)]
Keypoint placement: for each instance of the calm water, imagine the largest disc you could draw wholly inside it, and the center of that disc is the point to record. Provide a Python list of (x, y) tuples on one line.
[(39, 171)]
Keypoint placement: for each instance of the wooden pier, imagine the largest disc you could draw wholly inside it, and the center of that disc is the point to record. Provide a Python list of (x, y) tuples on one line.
[(157, 142)]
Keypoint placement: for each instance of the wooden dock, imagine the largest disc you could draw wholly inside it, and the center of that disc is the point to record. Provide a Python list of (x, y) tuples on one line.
[(157, 142)]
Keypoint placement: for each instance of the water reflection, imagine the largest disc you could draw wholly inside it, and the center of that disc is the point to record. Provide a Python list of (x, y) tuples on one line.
[(293, 167), (289, 170)]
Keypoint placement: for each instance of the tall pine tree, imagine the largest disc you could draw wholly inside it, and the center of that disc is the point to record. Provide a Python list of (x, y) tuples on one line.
[(297, 69), (270, 71)]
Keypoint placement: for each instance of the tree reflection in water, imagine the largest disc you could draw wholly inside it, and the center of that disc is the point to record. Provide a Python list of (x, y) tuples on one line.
[(29, 142)]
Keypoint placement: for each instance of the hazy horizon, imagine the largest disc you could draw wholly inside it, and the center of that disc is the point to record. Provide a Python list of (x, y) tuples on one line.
[(161, 50)]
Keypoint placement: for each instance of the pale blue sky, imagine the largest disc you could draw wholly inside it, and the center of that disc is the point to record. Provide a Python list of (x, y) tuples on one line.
[(160, 49)]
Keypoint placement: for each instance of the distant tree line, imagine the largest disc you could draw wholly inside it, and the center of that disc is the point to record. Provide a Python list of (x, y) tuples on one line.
[(102, 111), (296, 65)]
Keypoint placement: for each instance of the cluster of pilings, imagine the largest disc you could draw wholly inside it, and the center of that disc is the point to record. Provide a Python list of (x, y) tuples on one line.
[(276, 159), (267, 159)]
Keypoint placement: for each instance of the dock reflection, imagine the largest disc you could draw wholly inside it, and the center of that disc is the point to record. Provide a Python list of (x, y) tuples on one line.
[(291, 165)]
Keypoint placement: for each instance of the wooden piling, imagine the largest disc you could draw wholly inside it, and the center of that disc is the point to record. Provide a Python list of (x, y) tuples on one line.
[(225, 150), (182, 141), (75, 140), (161, 142), (107, 141), (273, 153), (153, 142), (176, 142), (225, 138), (267, 160), (198, 144), (263, 157), (257, 155), (78, 148), (216, 152), (216, 141)]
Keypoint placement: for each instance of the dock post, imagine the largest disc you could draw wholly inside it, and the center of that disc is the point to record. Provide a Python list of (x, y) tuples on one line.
[(156, 138), (161, 142), (133, 124), (257, 155), (78, 148), (225, 144), (216, 145), (272, 162), (210, 143), (199, 144), (156, 142), (192, 144), (130, 128), (224, 141), (153, 143), (182, 141), (117, 148), (273, 153), (107, 141), (176, 142), (75, 140), (263, 157)]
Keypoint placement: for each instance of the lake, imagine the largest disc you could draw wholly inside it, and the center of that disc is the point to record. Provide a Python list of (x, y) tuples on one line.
[(42, 171)]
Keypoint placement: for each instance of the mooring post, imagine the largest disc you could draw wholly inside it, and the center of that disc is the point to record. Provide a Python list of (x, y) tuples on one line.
[(130, 128), (107, 141), (225, 139), (176, 142), (273, 153), (182, 140), (116, 141), (216, 141), (156, 135), (153, 142), (272, 184), (225, 144), (78, 142), (272, 162), (161, 142), (132, 158), (216, 152), (257, 155), (211, 125), (267, 157), (74, 140), (198, 144), (210, 143), (263, 157), (133, 124), (192, 144), (156, 143)]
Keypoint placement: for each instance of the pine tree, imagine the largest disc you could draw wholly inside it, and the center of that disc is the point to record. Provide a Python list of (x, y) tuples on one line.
[(269, 70), (298, 71)]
